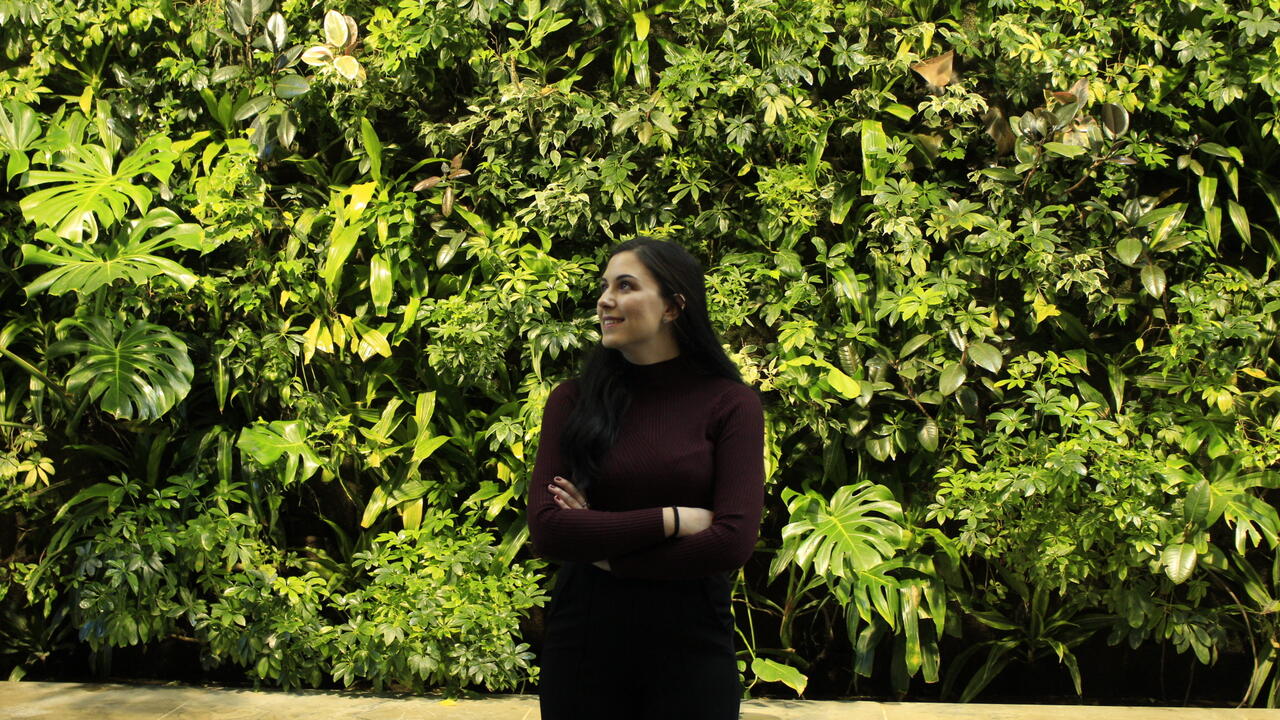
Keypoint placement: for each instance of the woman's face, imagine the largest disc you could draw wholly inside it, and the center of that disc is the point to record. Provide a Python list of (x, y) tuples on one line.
[(631, 311)]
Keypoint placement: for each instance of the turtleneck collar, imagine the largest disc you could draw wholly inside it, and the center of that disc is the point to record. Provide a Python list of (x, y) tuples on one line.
[(659, 373)]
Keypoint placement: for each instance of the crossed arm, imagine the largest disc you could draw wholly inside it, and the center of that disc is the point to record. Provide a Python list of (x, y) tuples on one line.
[(637, 543), (693, 520)]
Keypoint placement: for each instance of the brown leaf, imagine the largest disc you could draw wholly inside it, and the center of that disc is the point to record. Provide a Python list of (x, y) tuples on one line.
[(460, 172), (1080, 88), (937, 71), (456, 162), (446, 205), (997, 126), (353, 32), (427, 184), (1077, 93)]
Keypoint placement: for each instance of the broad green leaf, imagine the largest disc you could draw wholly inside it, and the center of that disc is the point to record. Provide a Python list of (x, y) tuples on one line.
[(89, 188), (1208, 191), (1178, 562), (842, 203), (1153, 279), (380, 282), (129, 257), (1063, 149), (927, 436), (1115, 119), (641, 20), (349, 68), (277, 32), (874, 144), (267, 442), (341, 242), (772, 671), (843, 384), (135, 370), (252, 107), (370, 342), (291, 86), (985, 356), (1044, 309), (1129, 250), (663, 122), (1240, 219), (1213, 225), (19, 130), (1195, 509), (857, 529), (914, 344), (372, 147), (952, 378)]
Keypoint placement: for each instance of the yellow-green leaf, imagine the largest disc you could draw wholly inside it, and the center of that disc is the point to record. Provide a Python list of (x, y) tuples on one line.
[(771, 671), (348, 67), (1044, 309), (1178, 561), (380, 282), (843, 384), (335, 28), (318, 55), (642, 25)]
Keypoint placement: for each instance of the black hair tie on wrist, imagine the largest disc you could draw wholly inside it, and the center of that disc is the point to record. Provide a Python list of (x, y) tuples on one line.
[(676, 512)]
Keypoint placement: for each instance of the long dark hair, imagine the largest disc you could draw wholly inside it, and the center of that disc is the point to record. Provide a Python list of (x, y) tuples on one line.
[(603, 397)]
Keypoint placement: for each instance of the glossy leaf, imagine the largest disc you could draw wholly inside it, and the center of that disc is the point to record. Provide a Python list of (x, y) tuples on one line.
[(136, 370), (268, 442), (335, 29), (985, 356), (1153, 279), (773, 671), (1178, 562), (90, 190), (1129, 250), (132, 257), (951, 379), (381, 282)]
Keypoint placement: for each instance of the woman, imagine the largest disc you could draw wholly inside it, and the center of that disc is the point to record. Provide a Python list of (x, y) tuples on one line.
[(648, 488)]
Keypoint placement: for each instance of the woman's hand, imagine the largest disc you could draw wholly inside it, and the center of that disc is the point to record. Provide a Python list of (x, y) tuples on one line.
[(566, 495), (570, 498)]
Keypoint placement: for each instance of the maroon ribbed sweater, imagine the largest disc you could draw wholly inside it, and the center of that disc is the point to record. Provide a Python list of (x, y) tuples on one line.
[(687, 439)]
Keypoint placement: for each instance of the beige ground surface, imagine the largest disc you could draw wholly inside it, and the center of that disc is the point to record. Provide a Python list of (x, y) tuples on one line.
[(70, 701)]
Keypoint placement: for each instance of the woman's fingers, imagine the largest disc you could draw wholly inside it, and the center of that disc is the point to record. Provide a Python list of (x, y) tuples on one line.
[(567, 500), (569, 491)]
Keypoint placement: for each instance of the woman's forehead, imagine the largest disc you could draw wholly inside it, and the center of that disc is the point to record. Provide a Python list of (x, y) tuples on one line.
[(626, 263)]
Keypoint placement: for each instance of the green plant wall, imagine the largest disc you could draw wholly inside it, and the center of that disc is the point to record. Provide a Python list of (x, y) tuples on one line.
[(286, 286)]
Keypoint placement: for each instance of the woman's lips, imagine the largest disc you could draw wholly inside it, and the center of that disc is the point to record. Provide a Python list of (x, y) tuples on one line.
[(609, 323)]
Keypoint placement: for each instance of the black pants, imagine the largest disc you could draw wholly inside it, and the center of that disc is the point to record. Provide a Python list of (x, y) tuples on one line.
[(628, 649)]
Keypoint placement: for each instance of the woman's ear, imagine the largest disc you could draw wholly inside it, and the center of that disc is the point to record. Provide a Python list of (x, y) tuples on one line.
[(680, 301)]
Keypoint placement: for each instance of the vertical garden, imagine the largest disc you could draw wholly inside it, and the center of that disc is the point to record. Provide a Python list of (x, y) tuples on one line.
[(286, 285)]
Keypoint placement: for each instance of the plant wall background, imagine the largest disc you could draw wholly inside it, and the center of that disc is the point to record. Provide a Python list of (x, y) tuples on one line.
[(286, 286)]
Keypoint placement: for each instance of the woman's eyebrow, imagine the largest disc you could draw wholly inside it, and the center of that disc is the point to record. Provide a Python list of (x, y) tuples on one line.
[(603, 278)]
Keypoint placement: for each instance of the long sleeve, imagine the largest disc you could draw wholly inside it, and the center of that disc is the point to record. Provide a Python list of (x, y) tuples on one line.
[(737, 505), (578, 535)]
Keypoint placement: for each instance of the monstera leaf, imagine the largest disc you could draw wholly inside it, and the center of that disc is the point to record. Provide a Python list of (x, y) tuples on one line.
[(267, 442), (859, 528), (89, 190), (134, 369), (19, 129), (85, 268)]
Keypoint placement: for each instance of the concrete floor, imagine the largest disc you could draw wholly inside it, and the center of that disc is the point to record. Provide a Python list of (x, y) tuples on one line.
[(72, 701)]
